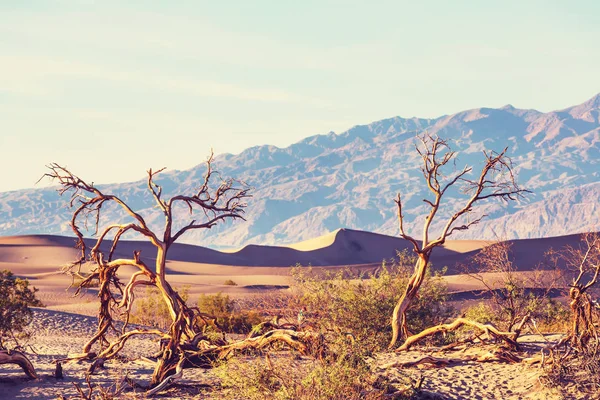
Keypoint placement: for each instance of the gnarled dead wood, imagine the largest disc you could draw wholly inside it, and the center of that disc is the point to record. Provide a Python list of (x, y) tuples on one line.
[(495, 355), (16, 357), (310, 343), (509, 338)]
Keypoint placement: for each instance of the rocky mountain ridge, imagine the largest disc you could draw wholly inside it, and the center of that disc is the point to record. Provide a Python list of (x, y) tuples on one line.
[(332, 181)]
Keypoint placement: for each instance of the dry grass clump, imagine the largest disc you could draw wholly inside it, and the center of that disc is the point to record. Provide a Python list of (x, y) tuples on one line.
[(283, 376), (151, 309), (574, 370)]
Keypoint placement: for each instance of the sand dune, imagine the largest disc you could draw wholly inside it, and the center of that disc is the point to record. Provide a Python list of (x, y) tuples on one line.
[(341, 247), (253, 268)]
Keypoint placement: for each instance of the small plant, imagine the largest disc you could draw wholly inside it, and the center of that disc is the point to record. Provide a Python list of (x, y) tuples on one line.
[(230, 282), (513, 295), (226, 315), (16, 296)]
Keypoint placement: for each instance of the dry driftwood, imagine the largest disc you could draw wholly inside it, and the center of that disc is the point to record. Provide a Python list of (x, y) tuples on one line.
[(16, 357), (510, 338)]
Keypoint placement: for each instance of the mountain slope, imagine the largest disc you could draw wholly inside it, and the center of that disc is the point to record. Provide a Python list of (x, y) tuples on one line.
[(349, 180)]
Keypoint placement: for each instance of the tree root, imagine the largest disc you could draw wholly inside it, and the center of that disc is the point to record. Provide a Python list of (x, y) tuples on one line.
[(16, 357)]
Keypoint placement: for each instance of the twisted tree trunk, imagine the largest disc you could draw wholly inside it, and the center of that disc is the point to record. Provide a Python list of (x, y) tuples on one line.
[(399, 323), (16, 357)]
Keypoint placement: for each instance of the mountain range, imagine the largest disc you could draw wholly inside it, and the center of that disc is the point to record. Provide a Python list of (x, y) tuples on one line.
[(349, 180)]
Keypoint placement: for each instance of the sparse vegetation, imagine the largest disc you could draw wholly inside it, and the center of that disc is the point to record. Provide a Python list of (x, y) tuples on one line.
[(574, 360), (229, 282), (513, 295)]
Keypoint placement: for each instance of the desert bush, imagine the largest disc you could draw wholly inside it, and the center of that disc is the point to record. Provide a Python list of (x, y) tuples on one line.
[(151, 309), (547, 315), (284, 304), (230, 282), (283, 376), (552, 316), (361, 307), (228, 317), (16, 296), (513, 295), (482, 312)]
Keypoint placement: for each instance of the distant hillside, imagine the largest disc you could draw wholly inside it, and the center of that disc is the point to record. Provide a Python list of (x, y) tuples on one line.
[(326, 182)]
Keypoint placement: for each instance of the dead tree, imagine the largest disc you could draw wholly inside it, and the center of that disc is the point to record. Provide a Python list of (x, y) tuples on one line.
[(184, 344), (574, 358), (585, 260), (496, 180)]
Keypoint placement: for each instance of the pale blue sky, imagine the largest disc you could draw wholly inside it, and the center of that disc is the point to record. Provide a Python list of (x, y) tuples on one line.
[(111, 88)]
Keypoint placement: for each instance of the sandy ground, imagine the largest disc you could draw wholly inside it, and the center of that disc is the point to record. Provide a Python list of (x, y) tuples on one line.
[(475, 380), (57, 334)]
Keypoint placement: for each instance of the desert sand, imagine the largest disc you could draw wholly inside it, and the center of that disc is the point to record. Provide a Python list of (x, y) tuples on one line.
[(56, 334), (67, 321)]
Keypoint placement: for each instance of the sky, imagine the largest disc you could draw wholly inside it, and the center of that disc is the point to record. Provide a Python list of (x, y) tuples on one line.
[(111, 88)]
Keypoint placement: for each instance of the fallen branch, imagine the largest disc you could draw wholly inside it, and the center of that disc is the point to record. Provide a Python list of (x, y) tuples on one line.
[(487, 356), (16, 357), (509, 338)]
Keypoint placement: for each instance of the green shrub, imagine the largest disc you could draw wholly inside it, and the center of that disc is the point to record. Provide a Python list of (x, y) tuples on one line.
[(227, 317), (548, 315), (229, 282), (482, 313), (552, 316), (16, 296), (363, 307)]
